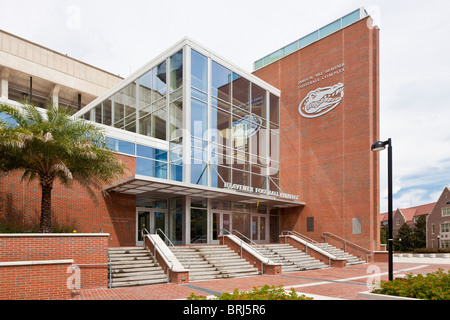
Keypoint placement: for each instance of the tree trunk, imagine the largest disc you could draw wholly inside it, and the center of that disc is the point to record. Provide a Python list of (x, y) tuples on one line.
[(46, 205)]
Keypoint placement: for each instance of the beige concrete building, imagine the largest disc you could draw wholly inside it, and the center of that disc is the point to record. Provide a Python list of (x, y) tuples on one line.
[(29, 71)]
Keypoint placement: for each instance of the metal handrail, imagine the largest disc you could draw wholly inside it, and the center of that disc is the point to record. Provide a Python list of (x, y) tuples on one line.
[(251, 242), (295, 233), (364, 250), (324, 235), (155, 246), (172, 245)]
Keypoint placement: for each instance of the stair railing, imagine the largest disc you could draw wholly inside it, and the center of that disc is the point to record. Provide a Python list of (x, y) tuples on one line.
[(301, 236), (172, 245), (144, 233), (367, 252), (252, 243)]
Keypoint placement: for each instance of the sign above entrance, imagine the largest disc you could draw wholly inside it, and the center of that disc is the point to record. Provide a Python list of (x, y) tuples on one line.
[(239, 187)]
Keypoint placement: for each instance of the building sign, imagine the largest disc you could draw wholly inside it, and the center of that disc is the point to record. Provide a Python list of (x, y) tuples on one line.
[(249, 189), (322, 100)]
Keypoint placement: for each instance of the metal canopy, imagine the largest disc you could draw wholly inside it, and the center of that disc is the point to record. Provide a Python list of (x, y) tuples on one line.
[(153, 187)]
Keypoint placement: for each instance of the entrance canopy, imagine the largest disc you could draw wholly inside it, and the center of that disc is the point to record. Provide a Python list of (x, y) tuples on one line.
[(154, 187)]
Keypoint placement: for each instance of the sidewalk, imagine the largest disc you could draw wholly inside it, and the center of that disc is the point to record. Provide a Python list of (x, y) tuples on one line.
[(325, 284)]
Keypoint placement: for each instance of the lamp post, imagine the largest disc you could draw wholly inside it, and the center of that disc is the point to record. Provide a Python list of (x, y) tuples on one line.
[(376, 147)]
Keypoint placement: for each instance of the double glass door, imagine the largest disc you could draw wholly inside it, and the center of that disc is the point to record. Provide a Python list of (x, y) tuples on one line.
[(151, 220), (221, 224)]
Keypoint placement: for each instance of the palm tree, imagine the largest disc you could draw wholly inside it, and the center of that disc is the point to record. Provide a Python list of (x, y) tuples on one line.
[(51, 145)]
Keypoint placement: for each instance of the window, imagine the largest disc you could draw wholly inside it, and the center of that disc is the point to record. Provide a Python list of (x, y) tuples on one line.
[(199, 71), (446, 212), (445, 243), (445, 227), (121, 146), (221, 82), (176, 71)]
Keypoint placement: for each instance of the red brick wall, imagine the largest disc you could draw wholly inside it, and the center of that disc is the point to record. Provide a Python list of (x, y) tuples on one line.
[(73, 207), (327, 160), (84, 249), (34, 282), (435, 218)]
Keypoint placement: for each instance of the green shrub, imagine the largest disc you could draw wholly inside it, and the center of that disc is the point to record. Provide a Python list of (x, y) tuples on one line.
[(433, 286), (263, 293)]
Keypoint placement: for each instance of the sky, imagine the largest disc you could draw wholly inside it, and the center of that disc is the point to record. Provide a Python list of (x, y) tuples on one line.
[(121, 36)]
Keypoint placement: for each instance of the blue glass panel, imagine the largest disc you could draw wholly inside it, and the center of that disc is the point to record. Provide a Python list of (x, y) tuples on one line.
[(199, 95), (121, 146), (199, 123), (307, 40), (272, 57), (176, 171), (259, 64), (290, 48), (151, 168), (350, 18), (220, 82), (160, 155), (199, 173), (329, 29), (199, 71), (146, 152)]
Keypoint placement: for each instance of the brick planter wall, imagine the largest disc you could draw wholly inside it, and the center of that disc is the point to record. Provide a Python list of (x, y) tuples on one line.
[(88, 251), (42, 280)]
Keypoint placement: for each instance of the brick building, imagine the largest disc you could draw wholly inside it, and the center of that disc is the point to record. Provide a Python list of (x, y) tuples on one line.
[(211, 147), (438, 222)]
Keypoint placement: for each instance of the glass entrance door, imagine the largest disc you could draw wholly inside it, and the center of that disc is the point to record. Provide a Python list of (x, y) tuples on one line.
[(259, 229), (151, 220), (220, 221)]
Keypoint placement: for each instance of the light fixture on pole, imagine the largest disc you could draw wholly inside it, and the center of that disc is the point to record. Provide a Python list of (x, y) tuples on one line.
[(376, 147)]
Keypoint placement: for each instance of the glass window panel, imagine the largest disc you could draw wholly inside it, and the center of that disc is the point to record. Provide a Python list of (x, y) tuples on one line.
[(272, 57), (221, 205), (199, 123), (199, 71), (176, 95), (259, 181), (303, 42), (220, 126), (159, 123), (290, 48), (159, 81), (176, 154), (151, 168), (221, 82), (176, 119), (176, 171), (241, 222), (107, 112), (350, 18), (199, 154), (241, 177), (199, 172), (274, 145), (258, 143), (329, 29), (198, 143), (119, 109), (145, 89), (98, 114), (221, 104), (241, 92), (274, 109), (199, 202), (198, 226), (259, 64), (176, 71), (145, 124), (259, 101), (130, 119), (219, 174), (199, 95), (121, 146)]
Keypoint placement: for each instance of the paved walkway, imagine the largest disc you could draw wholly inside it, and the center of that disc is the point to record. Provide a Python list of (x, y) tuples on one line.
[(326, 284)]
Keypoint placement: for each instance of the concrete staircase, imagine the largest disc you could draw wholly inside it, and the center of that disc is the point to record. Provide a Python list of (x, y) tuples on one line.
[(290, 258), (213, 262), (134, 266), (351, 260)]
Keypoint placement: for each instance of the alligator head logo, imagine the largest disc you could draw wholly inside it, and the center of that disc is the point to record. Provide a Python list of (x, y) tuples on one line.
[(246, 127), (321, 101)]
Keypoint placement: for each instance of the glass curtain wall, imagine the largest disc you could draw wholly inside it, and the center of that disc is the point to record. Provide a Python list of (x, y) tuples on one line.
[(233, 122)]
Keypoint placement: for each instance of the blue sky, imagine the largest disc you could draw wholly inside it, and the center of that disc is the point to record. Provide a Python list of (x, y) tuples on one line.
[(121, 36)]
